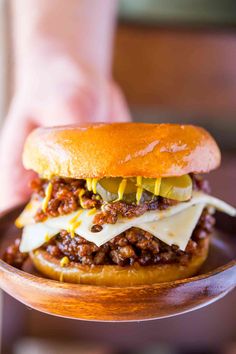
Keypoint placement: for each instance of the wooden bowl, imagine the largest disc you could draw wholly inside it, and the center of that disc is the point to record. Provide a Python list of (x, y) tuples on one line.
[(97, 303)]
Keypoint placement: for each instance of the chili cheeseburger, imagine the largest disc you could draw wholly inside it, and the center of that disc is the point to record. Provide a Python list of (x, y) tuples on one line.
[(119, 204)]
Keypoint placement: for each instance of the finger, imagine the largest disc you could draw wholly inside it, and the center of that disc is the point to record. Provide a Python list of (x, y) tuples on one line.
[(118, 111), (78, 108), (13, 177)]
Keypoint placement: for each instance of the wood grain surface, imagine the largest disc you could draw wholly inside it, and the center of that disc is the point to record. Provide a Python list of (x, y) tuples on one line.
[(120, 304)]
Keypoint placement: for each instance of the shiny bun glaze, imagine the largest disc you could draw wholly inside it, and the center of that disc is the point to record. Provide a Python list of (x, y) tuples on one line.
[(120, 150), (114, 275)]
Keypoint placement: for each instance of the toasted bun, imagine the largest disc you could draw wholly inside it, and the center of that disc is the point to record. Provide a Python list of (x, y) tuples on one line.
[(109, 275), (120, 150)]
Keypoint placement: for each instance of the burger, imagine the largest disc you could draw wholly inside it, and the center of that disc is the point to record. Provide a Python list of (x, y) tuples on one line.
[(119, 204)]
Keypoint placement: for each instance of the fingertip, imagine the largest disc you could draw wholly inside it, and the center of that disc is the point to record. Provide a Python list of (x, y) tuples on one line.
[(119, 111)]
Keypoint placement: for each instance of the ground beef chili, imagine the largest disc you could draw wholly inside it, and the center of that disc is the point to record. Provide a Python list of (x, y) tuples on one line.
[(111, 211), (65, 199), (133, 245), (200, 184), (13, 256)]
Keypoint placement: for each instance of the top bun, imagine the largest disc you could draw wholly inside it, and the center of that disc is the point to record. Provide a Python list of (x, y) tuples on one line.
[(120, 150)]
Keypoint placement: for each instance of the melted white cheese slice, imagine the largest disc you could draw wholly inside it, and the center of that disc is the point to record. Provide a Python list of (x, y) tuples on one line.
[(176, 229), (27, 215), (172, 226), (35, 235)]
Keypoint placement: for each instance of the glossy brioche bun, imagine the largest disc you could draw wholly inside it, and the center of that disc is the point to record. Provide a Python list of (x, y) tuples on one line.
[(113, 275), (120, 150)]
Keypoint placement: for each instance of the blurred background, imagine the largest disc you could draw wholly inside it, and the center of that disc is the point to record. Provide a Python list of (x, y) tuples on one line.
[(176, 62)]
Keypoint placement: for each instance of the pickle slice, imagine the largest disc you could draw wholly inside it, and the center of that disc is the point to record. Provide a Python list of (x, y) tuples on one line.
[(152, 185), (108, 188), (177, 188)]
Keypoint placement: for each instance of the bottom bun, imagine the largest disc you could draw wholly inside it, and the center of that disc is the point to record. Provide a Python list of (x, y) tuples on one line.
[(113, 275)]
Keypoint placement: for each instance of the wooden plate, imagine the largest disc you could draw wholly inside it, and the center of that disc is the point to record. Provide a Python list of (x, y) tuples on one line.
[(96, 303)]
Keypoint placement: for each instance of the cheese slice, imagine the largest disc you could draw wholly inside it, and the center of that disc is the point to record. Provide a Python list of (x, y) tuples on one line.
[(35, 235), (172, 226), (27, 215), (176, 229)]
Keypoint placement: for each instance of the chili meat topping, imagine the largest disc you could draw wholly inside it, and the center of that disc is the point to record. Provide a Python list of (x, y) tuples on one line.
[(133, 245), (69, 195)]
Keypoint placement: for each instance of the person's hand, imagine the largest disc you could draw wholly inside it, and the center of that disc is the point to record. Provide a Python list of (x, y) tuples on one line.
[(52, 92)]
